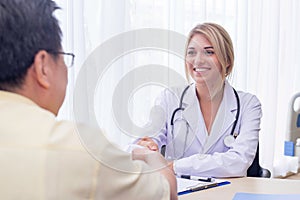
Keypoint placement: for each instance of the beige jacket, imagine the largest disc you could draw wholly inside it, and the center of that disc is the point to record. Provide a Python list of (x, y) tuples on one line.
[(42, 158)]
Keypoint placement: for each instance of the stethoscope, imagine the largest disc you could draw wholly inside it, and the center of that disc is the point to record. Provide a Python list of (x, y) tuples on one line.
[(228, 140)]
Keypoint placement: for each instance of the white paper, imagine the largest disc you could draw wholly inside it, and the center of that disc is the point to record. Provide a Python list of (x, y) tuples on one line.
[(186, 184)]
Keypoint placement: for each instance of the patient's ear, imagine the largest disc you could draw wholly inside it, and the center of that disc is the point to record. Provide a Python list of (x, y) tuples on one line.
[(42, 68)]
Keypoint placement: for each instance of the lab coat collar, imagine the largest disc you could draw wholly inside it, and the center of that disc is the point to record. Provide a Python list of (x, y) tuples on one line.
[(223, 121), (190, 103), (192, 114)]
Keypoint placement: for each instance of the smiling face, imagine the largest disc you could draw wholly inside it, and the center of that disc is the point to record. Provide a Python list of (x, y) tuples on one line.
[(202, 62), (209, 54)]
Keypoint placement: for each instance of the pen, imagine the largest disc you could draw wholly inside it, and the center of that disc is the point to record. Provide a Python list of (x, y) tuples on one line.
[(203, 187), (198, 178)]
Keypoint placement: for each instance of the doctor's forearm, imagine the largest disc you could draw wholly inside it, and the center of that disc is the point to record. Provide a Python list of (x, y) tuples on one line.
[(210, 166)]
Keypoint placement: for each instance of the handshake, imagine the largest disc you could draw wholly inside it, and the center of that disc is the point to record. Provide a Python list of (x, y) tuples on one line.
[(147, 150)]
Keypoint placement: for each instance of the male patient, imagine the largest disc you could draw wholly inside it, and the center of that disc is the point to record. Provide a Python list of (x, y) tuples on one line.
[(40, 157)]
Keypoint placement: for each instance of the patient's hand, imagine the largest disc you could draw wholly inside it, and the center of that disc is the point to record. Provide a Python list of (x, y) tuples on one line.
[(156, 161), (153, 159), (148, 143)]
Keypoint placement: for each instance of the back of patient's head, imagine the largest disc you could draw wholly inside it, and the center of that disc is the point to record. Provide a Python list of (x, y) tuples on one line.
[(27, 26)]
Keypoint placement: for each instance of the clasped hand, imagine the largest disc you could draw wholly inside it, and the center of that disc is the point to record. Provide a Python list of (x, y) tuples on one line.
[(152, 146), (148, 143)]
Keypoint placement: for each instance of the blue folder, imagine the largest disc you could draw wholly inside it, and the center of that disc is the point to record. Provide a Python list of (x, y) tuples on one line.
[(253, 196)]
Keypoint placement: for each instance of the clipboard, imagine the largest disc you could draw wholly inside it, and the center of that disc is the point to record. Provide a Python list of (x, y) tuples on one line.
[(185, 186)]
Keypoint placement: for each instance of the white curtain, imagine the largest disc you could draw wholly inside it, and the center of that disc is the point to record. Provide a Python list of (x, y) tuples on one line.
[(266, 40)]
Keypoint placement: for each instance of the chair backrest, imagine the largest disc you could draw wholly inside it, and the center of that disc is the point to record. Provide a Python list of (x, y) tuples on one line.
[(163, 150), (255, 170)]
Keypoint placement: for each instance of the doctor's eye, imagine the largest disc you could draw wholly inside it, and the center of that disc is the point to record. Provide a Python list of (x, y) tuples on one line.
[(209, 52), (190, 52)]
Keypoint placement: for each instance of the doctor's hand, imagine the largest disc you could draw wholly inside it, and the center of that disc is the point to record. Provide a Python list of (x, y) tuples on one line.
[(148, 143)]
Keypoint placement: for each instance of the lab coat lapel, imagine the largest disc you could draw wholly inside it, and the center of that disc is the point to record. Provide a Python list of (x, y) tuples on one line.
[(224, 119), (192, 114)]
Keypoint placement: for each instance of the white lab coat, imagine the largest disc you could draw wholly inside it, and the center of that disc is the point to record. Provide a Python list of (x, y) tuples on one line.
[(206, 155)]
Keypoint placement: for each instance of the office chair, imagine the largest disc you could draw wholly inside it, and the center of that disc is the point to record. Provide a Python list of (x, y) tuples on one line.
[(255, 170)]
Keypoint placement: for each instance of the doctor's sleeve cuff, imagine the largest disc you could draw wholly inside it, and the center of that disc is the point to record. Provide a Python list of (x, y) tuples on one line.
[(190, 164)]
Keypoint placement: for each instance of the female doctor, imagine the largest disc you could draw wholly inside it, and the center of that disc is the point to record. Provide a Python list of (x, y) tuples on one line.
[(211, 130)]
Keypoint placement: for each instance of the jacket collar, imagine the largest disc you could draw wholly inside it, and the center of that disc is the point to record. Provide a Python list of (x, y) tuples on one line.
[(11, 96)]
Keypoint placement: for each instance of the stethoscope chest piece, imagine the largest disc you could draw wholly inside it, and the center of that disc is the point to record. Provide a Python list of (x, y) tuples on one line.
[(229, 140)]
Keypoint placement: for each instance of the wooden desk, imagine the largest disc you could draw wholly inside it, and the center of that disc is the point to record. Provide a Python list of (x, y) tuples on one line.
[(249, 185)]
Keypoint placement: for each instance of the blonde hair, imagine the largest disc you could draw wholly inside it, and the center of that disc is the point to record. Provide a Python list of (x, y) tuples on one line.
[(221, 42)]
